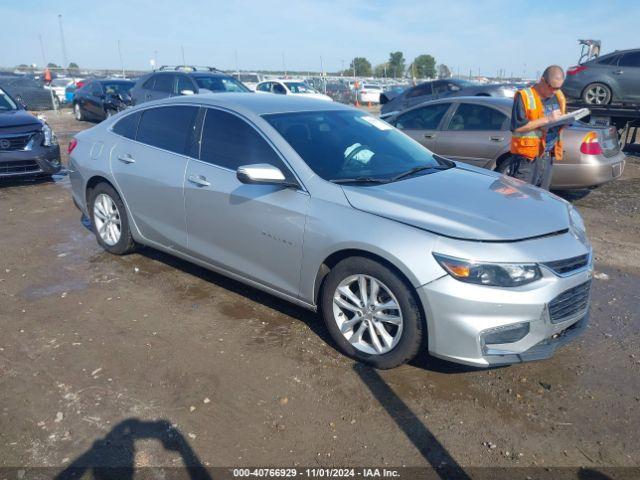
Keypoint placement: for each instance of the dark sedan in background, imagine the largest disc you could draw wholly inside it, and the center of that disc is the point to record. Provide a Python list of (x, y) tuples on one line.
[(28, 91), (451, 87), (99, 99), (475, 130), (611, 78), (28, 146)]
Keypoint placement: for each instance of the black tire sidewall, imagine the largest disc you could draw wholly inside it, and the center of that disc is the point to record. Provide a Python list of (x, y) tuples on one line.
[(413, 323), (125, 242)]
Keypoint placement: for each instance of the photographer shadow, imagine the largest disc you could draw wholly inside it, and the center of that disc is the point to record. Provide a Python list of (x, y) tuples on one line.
[(113, 457)]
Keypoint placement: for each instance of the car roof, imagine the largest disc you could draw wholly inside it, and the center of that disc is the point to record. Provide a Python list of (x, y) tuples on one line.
[(190, 73), (255, 103)]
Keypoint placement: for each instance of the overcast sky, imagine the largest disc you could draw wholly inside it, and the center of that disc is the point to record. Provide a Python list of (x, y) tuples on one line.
[(514, 35)]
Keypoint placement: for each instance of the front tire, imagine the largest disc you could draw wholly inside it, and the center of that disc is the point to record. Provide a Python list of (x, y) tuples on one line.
[(371, 313), (597, 94), (109, 220)]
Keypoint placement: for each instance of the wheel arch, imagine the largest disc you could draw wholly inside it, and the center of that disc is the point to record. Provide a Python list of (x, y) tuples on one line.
[(603, 82), (334, 258)]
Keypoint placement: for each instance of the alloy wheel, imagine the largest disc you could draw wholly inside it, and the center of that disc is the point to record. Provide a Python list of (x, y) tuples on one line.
[(78, 112), (367, 314), (597, 95), (107, 219)]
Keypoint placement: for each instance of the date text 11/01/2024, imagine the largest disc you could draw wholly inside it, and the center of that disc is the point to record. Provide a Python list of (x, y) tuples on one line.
[(316, 472)]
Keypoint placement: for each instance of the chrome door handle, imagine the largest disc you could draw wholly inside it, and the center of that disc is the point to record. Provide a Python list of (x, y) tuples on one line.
[(126, 159), (497, 139), (618, 72), (199, 180), (429, 135)]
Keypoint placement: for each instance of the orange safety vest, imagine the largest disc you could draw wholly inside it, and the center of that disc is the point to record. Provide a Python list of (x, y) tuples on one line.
[(532, 144), (47, 76)]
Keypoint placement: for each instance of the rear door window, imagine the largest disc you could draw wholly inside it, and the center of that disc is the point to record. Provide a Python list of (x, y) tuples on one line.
[(473, 117), (127, 126), (425, 118), (168, 128), (611, 60), (164, 83)]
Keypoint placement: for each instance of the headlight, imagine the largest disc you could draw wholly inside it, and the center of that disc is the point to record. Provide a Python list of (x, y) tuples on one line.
[(490, 274), (576, 220), (49, 137)]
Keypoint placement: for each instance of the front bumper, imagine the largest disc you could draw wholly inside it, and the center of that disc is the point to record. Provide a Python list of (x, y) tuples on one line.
[(37, 161), (459, 315)]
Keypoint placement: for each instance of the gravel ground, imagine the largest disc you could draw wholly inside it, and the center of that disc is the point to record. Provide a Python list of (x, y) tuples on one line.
[(116, 350)]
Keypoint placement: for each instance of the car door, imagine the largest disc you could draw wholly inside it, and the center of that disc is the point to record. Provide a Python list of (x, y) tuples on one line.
[(254, 231), (474, 133), (628, 76), (94, 101), (422, 123), (149, 171)]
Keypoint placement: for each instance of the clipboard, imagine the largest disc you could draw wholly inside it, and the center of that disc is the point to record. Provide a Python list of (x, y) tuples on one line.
[(569, 118)]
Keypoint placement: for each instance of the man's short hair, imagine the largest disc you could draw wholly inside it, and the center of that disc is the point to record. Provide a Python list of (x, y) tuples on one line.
[(552, 71)]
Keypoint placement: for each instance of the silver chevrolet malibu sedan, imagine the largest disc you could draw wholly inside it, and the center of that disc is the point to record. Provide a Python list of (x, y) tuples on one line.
[(323, 205)]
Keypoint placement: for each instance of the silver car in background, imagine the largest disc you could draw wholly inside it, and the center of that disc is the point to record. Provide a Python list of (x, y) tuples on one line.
[(333, 209), (475, 130)]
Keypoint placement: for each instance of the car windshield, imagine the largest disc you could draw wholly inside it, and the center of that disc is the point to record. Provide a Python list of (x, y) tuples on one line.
[(220, 84), (464, 83), (6, 103), (116, 88), (299, 87), (351, 145)]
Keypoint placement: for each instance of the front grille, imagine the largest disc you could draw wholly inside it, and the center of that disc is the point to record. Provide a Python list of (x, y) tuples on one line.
[(563, 267), (16, 168), (570, 303), (14, 142)]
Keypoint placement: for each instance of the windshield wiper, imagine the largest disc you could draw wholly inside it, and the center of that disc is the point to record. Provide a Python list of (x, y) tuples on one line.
[(419, 169), (360, 180)]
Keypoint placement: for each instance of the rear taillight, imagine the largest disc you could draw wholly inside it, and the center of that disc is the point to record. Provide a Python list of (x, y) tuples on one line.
[(576, 69), (72, 144), (590, 144)]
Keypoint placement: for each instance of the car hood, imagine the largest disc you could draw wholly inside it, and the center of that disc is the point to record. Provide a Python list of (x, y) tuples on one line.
[(17, 118), (465, 204)]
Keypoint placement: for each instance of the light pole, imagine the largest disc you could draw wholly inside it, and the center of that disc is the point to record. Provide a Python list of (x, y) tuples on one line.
[(64, 46), (121, 62)]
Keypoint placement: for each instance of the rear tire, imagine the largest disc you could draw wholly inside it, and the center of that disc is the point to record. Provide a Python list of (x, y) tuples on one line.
[(597, 94), (387, 328), (109, 220)]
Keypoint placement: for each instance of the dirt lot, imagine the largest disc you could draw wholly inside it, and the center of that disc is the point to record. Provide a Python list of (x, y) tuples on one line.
[(89, 341)]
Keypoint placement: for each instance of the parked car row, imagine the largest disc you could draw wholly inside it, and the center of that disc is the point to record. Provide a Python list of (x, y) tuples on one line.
[(328, 207)]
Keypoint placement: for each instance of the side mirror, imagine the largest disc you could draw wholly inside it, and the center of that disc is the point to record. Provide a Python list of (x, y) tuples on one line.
[(187, 92), (262, 173)]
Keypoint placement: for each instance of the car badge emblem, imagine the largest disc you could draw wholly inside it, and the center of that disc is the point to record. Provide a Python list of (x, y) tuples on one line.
[(4, 144)]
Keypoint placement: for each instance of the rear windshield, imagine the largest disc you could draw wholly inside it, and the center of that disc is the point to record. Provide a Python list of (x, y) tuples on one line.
[(299, 87), (117, 87), (220, 84)]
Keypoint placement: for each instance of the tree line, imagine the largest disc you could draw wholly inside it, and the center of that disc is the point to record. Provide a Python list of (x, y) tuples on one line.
[(423, 66)]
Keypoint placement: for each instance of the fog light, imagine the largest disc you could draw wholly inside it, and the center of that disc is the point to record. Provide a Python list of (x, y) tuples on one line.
[(505, 334)]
